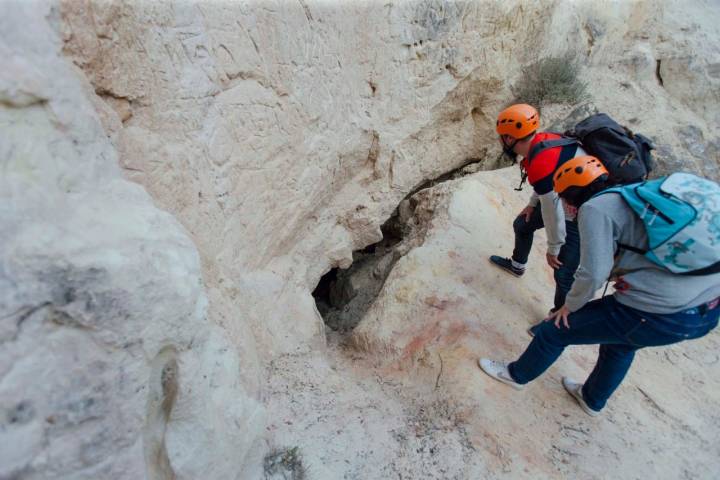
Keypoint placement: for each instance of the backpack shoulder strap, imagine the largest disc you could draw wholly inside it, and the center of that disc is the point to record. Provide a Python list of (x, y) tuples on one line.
[(545, 144), (640, 251), (610, 190), (623, 192)]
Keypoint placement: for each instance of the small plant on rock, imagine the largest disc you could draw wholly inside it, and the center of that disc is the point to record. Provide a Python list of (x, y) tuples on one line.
[(284, 464), (551, 80)]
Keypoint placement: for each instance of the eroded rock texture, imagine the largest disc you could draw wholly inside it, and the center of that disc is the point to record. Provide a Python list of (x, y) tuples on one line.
[(281, 135), (108, 365)]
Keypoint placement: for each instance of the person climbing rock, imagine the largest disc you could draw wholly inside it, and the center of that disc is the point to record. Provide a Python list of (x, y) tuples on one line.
[(658, 299), (518, 127)]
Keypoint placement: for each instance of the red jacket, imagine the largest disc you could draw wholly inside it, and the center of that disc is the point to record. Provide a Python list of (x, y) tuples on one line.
[(542, 167)]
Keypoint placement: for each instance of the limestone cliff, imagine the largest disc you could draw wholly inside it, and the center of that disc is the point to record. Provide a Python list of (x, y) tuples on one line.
[(177, 177), (109, 367)]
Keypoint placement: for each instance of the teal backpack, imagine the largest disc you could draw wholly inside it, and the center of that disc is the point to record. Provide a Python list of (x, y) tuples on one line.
[(681, 213)]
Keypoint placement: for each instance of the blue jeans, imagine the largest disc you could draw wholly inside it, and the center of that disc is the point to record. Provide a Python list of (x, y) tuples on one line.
[(569, 253), (620, 331)]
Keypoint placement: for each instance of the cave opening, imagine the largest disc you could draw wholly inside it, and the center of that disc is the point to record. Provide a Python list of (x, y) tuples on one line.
[(343, 296)]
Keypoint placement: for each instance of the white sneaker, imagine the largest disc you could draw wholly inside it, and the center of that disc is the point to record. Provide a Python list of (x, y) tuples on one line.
[(575, 389), (498, 371)]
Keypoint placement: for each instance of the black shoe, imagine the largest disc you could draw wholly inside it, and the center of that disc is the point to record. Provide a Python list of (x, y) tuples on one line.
[(506, 264)]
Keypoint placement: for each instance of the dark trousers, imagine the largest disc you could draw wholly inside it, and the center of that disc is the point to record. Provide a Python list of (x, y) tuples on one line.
[(620, 331), (569, 253)]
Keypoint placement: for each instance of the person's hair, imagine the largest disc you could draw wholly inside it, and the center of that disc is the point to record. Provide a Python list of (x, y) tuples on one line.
[(576, 196)]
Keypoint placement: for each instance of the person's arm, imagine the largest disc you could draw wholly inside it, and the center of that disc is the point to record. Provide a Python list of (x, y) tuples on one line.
[(597, 249), (554, 220)]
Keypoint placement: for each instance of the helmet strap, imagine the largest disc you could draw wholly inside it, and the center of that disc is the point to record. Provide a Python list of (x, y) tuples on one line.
[(510, 153), (508, 150)]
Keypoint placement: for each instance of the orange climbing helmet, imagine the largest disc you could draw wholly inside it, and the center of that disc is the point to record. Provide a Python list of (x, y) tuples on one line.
[(578, 172), (518, 121)]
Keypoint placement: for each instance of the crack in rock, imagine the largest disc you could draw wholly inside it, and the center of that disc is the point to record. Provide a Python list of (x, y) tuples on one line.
[(344, 295)]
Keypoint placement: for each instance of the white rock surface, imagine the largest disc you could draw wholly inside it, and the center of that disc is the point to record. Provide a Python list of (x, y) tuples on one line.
[(281, 135), (109, 367)]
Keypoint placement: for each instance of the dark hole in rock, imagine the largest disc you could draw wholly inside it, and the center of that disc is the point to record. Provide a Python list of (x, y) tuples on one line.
[(658, 75), (322, 291), (21, 414), (343, 296)]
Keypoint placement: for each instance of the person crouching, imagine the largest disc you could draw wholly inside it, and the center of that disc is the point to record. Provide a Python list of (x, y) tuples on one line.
[(650, 306)]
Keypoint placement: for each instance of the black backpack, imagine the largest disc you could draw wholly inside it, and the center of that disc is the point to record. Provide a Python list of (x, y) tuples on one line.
[(625, 154)]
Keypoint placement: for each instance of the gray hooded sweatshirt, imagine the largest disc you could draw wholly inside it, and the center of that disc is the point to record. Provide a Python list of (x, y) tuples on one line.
[(607, 220), (554, 214)]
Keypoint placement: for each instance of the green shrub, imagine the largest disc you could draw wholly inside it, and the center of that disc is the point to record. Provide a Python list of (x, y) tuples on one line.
[(286, 464), (550, 80)]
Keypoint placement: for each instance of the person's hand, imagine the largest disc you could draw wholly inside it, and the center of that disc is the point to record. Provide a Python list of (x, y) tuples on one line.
[(553, 261), (560, 316), (526, 212)]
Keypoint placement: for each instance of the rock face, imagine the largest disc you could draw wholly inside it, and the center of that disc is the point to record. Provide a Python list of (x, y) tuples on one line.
[(281, 135), (109, 367)]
